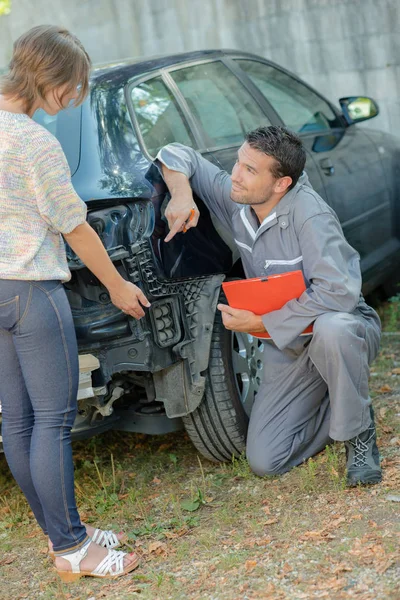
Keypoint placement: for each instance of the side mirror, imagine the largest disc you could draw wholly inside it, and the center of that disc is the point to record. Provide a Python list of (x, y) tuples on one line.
[(358, 108)]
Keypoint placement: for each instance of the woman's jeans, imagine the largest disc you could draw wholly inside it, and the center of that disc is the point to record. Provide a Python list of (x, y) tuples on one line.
[(39, 377)]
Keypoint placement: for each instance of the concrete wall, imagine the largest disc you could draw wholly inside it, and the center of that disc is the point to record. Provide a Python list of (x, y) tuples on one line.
[(342, 47)]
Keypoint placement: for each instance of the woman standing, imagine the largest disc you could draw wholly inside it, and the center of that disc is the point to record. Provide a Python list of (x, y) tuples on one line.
[(39, 357)]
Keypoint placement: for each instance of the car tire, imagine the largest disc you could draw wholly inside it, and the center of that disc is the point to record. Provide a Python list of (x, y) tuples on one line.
[(218, 427)]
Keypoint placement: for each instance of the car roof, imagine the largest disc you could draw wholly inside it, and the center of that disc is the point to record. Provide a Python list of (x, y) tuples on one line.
[(118, 72)]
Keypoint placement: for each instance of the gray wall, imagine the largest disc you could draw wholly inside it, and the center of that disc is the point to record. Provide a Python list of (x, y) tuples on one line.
[(342, 47)]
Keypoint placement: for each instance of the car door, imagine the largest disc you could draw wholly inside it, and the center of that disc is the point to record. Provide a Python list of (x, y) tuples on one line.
[(348, 161)]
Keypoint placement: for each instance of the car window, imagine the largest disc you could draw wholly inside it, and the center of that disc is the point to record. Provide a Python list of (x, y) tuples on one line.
[(220, 102), (66, 127), (158, 115), (301, 109)]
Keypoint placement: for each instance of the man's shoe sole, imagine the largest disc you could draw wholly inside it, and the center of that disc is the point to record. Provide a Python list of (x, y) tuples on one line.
[(370, 479)]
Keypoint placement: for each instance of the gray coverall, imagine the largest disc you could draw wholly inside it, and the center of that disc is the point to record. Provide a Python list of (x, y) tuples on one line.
[(315, 387)]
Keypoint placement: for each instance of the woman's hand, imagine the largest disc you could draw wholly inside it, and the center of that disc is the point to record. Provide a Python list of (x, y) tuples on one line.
[(85, 242), (129, 298)]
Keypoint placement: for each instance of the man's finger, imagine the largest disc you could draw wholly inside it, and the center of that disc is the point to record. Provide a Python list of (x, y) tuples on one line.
[(224, 308), (227, 320), (176, 227)]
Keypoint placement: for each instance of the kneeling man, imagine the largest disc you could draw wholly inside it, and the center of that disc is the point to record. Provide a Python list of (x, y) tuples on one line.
[(315, 387)]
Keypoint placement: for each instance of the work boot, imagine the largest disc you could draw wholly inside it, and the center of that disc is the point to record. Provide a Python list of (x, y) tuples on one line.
[(363, 463)]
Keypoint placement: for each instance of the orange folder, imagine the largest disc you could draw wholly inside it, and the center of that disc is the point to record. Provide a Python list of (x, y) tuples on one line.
[(262, 295)]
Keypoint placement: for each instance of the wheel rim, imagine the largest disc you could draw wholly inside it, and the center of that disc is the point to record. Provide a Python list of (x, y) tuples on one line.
[(247, 364)]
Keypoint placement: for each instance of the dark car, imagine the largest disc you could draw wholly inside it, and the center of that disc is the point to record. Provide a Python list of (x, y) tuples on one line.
[(178, 366)]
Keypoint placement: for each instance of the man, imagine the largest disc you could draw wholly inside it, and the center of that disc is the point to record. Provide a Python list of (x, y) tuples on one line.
[(315, 387)]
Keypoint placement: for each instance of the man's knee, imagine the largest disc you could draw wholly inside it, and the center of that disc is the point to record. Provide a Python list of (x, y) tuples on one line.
[(336, 328), (265, 462)]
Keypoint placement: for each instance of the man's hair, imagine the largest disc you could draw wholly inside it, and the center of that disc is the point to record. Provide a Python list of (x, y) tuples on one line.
[(44, 58), (284, 146)]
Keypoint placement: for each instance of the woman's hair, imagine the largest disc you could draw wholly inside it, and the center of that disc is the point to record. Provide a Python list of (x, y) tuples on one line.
[(44, 58)]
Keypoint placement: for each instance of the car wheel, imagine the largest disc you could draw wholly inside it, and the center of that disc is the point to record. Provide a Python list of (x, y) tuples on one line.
[(218, 427)]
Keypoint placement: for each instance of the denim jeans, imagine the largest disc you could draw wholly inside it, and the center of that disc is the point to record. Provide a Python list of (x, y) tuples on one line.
[(39, 376)]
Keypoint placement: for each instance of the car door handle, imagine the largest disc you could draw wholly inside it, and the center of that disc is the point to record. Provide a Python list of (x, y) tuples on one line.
[(327, 166)]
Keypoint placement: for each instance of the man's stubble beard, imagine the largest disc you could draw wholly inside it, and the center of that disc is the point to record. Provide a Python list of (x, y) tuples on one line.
[(250, 201)]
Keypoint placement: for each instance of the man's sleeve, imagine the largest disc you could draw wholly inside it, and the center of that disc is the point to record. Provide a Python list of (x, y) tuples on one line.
[(208, 182), (332, 267), (57, 202)]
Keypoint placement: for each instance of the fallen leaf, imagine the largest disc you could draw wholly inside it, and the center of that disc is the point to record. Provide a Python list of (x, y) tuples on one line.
[(270, 521), (263, 542), (312, 534), (333, 583), (156, 481), (341, 568), (164, 447), (387, 429), (33, 534), (322, 536), (385, 389), (7, 560), (171, 535), (381, 569), (157, 548), (250, 565)]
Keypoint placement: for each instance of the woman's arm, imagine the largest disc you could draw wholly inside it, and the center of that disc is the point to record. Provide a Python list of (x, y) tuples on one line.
[(85, 242)]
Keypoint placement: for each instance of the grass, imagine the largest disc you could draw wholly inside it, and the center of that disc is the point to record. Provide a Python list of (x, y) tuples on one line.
[(389, 313), (216, 531)]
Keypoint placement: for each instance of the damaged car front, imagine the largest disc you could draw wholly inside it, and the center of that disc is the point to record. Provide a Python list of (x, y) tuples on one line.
[(135, 375)]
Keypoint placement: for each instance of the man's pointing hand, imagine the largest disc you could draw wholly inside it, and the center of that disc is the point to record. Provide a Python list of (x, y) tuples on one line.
[(181, 214)]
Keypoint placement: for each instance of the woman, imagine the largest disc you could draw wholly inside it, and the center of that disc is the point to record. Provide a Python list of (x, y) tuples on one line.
[(39, 357)]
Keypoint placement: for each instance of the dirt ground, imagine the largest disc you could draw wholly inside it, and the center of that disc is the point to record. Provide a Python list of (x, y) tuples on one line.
[(217, 532)]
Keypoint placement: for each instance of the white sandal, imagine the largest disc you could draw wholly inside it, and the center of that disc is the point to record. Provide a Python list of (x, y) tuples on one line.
[(111, 567), (104, 538), (108, 539)]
